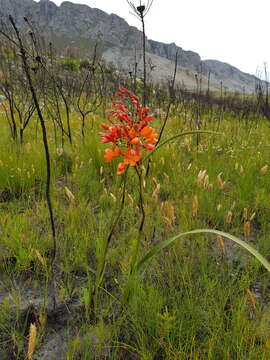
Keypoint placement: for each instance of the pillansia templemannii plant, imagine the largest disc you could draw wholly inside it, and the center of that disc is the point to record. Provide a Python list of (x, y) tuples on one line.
[(131, 135)]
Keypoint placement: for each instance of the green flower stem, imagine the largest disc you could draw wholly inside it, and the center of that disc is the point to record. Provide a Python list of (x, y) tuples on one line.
[(138, 240), (140, 230), (102, 262)]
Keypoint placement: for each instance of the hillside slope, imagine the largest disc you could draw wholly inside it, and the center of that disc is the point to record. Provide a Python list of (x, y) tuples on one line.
[(72, 25)]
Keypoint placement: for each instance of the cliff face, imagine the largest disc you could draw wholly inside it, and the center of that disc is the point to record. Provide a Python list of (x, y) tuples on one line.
[(75, 23), (16, 8), (227, 73), (188, 59)]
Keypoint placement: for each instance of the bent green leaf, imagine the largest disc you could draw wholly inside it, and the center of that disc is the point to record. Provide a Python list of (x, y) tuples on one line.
[(194, 132), (156, 249)]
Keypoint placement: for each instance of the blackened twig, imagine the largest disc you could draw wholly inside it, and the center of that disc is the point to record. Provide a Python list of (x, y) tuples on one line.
[(45, 144)]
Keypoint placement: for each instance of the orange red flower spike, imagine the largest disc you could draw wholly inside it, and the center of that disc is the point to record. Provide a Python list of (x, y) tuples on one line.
[(131, 134)]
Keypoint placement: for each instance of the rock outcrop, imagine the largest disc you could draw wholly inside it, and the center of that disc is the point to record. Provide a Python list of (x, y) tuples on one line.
[(72, 24)]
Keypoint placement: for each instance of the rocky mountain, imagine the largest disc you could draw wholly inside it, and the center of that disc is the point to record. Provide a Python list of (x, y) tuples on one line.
[(74, 25)]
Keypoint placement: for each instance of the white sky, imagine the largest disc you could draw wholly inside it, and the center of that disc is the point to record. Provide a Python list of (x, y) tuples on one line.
[(233, 31)]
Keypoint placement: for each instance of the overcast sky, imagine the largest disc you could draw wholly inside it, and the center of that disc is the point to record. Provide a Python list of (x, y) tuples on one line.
[(233, 31)]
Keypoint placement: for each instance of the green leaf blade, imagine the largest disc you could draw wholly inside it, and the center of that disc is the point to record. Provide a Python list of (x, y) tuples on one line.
[(156, 249)]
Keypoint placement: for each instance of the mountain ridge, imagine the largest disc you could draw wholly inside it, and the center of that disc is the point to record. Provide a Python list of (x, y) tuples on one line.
[(79, 21)]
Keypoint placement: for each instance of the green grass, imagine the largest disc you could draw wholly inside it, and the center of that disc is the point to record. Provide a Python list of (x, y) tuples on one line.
[(190, 300)]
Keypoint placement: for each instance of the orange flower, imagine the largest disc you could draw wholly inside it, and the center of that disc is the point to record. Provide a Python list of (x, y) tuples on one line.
[(132, 156), (149, 134), (149, 147), (113, 133), (110, 154), (131, 134), (136, 141), (121, 168)]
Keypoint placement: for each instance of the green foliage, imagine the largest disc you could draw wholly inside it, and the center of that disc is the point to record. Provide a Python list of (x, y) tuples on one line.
[(190, 300), (69, 64)]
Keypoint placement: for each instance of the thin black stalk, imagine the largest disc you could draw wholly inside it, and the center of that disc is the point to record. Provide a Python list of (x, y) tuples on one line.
[(45, 144), (171, 99), (140, 232), (140, 12), (144, 61)]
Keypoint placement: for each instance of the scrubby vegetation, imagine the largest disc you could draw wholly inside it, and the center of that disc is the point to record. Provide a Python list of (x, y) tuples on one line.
[(202, 297)]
